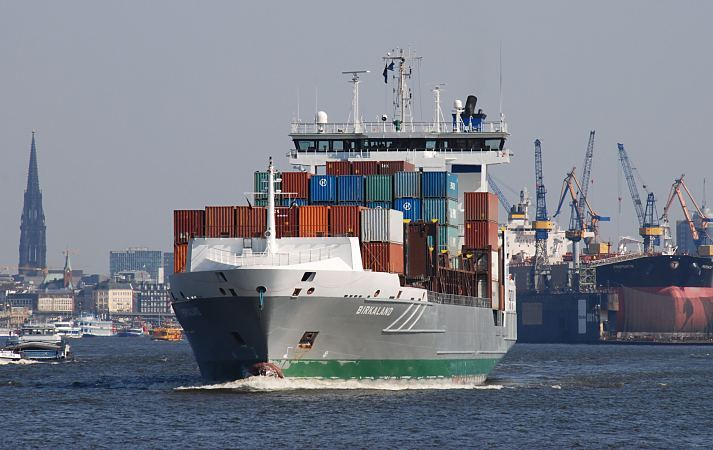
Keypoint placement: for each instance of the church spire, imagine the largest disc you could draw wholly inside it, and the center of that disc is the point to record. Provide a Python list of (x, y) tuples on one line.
[(33, 243)]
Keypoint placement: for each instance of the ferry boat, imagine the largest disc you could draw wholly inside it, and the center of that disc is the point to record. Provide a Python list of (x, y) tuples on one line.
[(131, 332), (166, 334), (40, 341), (68, 328), (93, 327), (313, 304)]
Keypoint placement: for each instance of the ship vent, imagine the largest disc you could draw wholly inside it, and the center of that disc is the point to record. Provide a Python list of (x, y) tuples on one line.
[(308, 276), (308, 339)]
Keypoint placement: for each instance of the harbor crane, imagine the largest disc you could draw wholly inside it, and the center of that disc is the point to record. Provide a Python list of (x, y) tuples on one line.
[(507, 206), (586, 173), (698, 237), (542, 224), (649, 227), (579, 226)]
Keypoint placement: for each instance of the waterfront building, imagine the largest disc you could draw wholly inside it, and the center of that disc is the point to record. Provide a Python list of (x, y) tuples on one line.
[(55, 302), (33, 241), (154, 298), (167, 266), (133, 259), (113, 298)]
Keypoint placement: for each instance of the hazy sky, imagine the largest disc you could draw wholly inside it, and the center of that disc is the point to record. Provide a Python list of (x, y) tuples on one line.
[(145, 107)]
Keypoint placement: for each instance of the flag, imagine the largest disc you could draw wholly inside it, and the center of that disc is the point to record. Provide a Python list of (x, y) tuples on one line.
[(387, 67)]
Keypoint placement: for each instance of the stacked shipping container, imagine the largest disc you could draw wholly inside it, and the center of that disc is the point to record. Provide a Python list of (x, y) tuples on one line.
[(481, 220)]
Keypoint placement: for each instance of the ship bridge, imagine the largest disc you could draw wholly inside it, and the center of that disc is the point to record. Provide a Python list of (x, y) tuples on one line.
[(465, 144)]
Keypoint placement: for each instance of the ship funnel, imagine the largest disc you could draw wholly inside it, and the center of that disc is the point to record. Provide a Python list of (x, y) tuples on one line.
[(470, 105)]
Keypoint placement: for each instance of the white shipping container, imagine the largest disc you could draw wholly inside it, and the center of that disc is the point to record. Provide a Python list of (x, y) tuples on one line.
[(382, 225)]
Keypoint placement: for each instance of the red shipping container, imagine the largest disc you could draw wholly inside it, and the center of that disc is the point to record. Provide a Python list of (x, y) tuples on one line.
[(313, 221), (250, 222), (339, 168), (481, 206), (220, 221), (481, 234), (286, 221), (365, 167), (180, 253), (345, 220), (391, 167), (296, 184), (382, 257), (187, 224)]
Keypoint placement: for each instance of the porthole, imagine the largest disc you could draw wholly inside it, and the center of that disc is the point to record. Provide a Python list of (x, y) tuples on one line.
[(376, 294), (310, 291)]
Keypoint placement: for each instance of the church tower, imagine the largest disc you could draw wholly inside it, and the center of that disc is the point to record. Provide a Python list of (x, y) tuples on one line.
[(33, 242)]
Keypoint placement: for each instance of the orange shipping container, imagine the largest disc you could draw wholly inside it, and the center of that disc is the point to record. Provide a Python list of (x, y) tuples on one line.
[(345, 221), (187, 224), (313, 221), (250, 222), (382, 257), (391, 167), (481, 206), (220, 221), (286, 221), (296, 183), (339, 168), (180, 252), (365, 167), (481, 234)]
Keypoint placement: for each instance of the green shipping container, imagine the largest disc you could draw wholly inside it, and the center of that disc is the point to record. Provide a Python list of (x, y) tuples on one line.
[(260, 185), (379, 188), (448, 239)]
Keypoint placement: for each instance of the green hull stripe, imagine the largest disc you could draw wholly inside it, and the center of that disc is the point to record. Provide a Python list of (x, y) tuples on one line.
[(386, 368)]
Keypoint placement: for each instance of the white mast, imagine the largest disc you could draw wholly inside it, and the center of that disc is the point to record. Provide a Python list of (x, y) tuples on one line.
[(356, 118), (437, 112), (402, 102), (270, 233)]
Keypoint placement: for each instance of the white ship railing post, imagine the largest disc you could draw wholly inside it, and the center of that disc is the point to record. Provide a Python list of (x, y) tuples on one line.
[(270, 234)]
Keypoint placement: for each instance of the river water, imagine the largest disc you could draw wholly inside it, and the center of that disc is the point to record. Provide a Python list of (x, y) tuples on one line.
[(132, 392)]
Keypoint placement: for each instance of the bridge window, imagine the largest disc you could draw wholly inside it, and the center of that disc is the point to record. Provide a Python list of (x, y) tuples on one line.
[(305, 145), (430, 144), (338, 146), (494, 144), (323, 146)]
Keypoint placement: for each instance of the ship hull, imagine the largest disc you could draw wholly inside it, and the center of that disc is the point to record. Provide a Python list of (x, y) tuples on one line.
[(355, 338)]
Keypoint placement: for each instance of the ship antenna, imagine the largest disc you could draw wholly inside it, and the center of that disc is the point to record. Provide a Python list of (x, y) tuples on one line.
[(270, 234), (437, 112), (355, 98)]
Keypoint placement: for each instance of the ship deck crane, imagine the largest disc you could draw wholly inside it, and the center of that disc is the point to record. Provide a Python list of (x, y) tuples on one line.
[(649, 227), (542, 224), (705, 220)]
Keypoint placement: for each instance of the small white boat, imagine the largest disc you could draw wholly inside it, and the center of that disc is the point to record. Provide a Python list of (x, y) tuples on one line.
[(9, 355), (68, 329)]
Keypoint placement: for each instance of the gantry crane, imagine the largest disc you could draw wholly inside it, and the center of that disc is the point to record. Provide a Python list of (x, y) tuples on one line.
[(649, 228), (542, 224), (501, 196), (698, 238)]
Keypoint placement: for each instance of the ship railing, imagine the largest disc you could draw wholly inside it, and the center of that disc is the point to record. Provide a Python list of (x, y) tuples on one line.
[(615, 259), (268, 259), (388, 127), (462, 300), (374, 153)]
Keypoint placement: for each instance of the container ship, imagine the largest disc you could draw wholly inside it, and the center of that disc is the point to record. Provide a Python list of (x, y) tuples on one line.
[(377, 257)]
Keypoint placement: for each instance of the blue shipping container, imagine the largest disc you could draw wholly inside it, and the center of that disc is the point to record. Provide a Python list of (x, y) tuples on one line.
[(443, 210), (407, 185), (384, 205), (439, 185), (411, 207), (350, 188), (323, 189)]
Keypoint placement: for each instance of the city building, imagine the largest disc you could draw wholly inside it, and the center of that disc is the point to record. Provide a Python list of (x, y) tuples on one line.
[(55, 302), (33, 240), (113, 298), (22, 300), (167, 266), (684, 238), (133, 259), (154, 298)]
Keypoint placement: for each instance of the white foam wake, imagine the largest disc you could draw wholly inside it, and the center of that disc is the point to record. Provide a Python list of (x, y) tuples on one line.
[(272, 384), (5, 362)]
